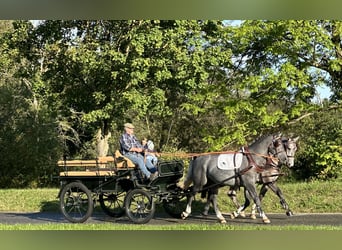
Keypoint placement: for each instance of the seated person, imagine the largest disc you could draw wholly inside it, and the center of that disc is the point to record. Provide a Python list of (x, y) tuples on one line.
[(131, 148), (150, 154)]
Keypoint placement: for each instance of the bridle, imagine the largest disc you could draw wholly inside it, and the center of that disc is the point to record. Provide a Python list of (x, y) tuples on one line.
[(279, 146), (276, 148), (291, 148)]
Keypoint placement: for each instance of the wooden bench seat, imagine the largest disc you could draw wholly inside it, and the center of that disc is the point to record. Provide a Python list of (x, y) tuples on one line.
[(102, 166), (123, 161)]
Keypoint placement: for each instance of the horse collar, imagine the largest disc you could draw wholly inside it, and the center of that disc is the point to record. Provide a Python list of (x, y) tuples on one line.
[(251, 162)]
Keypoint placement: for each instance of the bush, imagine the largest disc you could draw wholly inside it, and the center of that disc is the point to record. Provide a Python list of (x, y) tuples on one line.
[(320, 154)]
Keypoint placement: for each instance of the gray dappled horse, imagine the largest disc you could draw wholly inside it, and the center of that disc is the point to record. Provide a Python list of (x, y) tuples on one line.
[(204, 173), (268, 179)]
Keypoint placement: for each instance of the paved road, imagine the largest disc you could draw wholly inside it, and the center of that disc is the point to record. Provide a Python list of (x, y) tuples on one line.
[(334, 219)]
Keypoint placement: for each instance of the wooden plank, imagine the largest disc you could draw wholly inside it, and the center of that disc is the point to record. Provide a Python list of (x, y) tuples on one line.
[(87, 173), (106, 159), (123, 164), (82, 163)]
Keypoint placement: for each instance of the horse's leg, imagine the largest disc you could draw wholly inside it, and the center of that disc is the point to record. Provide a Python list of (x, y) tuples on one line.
[(191, 196), (213, 198), (262, 194), (240, 209), (187, 211), (207, 204), (232, 195), (273, 186), (253, 193), (253, 212)]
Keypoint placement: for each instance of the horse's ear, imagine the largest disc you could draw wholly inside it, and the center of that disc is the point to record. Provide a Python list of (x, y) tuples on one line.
[(296, 139), (277, 136)]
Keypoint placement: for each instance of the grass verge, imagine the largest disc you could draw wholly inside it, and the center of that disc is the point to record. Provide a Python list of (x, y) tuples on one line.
[(312, 197)]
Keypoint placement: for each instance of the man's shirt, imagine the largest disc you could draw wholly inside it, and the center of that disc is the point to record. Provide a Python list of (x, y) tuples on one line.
[(127, 142)]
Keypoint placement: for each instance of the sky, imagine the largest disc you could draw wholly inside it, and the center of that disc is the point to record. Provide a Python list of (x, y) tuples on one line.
[(324, 92)]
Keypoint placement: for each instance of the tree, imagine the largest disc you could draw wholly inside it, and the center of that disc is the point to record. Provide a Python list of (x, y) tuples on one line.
[(320, 151), (109, 72), (284, 62), (254, 77), (28, 144), (200, 85)]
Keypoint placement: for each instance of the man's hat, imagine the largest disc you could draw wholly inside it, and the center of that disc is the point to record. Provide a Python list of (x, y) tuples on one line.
[(129, 125)]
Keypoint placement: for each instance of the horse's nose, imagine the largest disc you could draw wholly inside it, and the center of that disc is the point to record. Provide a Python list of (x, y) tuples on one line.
[(290, 162)]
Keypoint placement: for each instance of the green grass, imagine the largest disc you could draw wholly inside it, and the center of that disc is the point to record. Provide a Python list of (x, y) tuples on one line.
[(312, 197), (147, 227), (28, 200)]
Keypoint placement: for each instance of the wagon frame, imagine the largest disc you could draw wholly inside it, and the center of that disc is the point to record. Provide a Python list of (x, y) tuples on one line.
[(116, 184)]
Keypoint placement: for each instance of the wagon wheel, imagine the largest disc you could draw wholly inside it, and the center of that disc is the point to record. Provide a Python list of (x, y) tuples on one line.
[(139, 206), (175, 206), (113, 203), (76, 202)]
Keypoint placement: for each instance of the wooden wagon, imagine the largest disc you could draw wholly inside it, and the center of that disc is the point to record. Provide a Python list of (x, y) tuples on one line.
[(116, 184)]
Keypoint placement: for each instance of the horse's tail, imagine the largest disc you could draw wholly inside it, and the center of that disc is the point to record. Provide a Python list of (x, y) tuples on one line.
[(188, 179)]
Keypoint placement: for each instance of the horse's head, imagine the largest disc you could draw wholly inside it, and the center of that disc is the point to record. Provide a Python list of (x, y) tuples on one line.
[(283, 150), (291, 148)]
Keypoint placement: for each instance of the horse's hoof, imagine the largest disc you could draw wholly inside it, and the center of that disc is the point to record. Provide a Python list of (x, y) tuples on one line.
[(184, 215), (204, 213), (266, 221), (223, 221), (289, 213), (243, 214), (253, 216), (234, 215)]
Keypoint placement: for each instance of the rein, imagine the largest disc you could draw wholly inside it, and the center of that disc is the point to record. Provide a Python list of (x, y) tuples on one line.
[(191, 155)]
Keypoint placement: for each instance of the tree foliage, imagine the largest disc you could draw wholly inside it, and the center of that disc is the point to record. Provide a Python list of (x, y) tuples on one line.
[(320, 154), (67, 87), (28, 141)]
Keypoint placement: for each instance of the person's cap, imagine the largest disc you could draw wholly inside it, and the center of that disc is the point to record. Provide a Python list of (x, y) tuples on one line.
[(129, 125)]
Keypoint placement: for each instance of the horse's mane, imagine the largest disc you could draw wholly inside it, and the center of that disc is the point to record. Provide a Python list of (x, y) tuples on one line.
[(260, 138)]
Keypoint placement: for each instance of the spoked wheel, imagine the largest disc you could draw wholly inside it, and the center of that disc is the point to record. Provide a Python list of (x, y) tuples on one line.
[(176, 206), (113, 203), (76, 202), (139, 206)]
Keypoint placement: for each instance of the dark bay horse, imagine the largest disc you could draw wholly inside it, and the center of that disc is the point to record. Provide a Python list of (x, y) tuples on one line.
[(204, 173), (267, 179)]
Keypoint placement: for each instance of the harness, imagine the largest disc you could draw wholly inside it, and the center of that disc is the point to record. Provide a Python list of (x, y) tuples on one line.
[(251, 162), (271, 162)]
